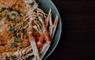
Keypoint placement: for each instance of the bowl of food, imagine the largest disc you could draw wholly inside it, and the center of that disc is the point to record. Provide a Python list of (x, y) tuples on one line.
[(29, 29)]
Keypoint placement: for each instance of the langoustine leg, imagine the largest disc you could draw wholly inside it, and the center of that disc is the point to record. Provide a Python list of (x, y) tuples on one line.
[(32, 40), (48, 36)]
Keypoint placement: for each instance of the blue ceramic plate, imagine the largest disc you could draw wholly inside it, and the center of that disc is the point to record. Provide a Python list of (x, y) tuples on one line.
[(46, 5)]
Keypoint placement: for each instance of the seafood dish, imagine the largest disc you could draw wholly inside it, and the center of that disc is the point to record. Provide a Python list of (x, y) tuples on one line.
[(25, 30)]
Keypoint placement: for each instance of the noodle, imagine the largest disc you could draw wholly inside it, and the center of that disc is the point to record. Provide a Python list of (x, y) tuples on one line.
[(20, 21)]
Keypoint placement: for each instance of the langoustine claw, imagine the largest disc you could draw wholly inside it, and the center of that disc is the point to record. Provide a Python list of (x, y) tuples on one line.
[(47, 39), (48, 19), (55, 26), (48, 36), (32, 41), (34, 47)]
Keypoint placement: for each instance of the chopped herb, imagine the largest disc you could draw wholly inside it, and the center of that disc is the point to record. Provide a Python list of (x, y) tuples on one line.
[(17, 39), (12, 29), (13, 45), (14, 57), (20, 43), (2, 9), (9, 9), (14, 15), (26, 36)]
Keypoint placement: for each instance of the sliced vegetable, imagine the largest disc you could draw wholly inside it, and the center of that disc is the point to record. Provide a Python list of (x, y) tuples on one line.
[(13, 45)]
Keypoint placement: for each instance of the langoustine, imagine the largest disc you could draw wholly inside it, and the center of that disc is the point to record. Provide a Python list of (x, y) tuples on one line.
[(40, 31)]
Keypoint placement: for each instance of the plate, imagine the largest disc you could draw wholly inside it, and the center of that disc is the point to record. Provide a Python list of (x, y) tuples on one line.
[(46, 5)]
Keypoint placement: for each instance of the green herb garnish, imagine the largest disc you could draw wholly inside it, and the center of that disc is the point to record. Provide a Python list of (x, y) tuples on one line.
[(12, 29), (2, 9)]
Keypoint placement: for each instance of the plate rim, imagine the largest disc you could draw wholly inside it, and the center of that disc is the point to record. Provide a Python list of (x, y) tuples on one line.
[(52, 50)]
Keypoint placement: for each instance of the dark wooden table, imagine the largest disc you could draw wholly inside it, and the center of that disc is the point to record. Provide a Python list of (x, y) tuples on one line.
[(78, 36)]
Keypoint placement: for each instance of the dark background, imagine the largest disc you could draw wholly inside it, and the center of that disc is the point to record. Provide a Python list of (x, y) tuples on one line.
[(78, 34)]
